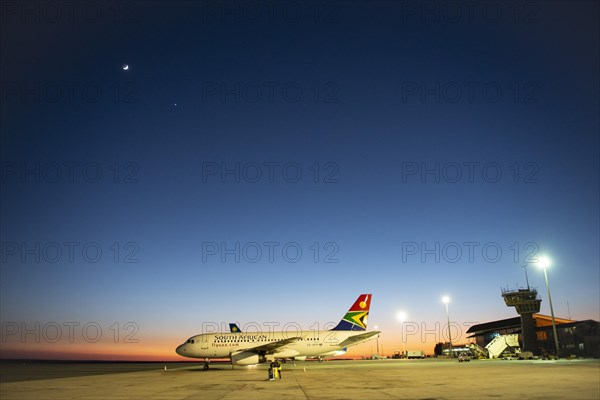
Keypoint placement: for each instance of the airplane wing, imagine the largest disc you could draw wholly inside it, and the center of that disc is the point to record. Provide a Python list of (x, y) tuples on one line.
[(356, 339), (271, 347)]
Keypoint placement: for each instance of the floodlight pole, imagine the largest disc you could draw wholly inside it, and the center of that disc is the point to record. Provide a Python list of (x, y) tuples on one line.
[(449, 336), (377, 338), (552, 313), (403, 338)]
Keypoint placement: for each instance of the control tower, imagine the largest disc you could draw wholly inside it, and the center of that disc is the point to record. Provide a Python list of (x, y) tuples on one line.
[(527, 303)]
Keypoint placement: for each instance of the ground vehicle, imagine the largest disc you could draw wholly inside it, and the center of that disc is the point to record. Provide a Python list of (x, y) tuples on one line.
[(414, 354), (464, 357), (525, 355)]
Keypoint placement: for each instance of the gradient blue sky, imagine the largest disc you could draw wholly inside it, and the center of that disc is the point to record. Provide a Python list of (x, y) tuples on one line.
[(366, 127)]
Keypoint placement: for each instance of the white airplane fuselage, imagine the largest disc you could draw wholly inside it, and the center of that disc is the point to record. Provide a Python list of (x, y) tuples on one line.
[(228, 345)]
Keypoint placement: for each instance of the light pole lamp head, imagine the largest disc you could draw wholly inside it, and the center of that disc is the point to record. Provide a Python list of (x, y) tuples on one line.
[(401, 316), (446, 299), (543, 262)]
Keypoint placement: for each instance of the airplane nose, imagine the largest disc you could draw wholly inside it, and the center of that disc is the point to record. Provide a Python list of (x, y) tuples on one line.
[(180, 350)]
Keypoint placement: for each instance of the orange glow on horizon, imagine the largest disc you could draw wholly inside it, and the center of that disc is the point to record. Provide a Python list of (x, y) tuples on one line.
[(166, 352)]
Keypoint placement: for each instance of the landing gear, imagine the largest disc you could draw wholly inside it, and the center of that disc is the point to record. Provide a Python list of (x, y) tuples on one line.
[(206, 361), (320, 359)]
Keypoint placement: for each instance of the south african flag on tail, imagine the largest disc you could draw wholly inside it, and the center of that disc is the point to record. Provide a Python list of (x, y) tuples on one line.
[(357, 316)]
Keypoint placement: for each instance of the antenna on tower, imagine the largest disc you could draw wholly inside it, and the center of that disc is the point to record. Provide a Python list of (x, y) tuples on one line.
[(526, 277)]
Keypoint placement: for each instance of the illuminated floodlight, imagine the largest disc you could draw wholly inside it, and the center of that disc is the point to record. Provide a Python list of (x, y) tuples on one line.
[(543, 262), (401, 316)]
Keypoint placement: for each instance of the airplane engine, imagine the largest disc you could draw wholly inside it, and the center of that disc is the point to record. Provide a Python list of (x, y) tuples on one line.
[(247, 358)]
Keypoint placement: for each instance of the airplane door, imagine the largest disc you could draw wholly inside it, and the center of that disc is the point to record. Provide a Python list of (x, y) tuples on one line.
[(204, 342)]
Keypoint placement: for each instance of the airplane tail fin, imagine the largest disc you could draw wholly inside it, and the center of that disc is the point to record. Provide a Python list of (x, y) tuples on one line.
[(357, 316), (233, 328)]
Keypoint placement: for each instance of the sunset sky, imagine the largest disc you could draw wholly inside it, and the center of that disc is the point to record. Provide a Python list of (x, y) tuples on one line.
[(171, 166)]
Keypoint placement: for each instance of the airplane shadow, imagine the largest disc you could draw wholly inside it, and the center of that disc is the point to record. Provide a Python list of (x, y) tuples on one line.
[(200, 369)]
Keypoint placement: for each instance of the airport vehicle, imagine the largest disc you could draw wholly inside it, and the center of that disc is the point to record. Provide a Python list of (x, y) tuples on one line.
[(526, 355), (464, 357), (415, 354), (256, 347)]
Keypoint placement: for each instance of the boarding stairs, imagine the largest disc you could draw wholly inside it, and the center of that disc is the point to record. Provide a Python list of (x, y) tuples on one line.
[(500, 343), (478, 351)]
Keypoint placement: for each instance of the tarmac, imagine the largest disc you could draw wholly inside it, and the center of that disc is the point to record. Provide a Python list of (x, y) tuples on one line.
[(364, 379)]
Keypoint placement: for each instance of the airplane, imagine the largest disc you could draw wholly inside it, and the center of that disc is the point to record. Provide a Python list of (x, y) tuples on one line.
[(257, 347)]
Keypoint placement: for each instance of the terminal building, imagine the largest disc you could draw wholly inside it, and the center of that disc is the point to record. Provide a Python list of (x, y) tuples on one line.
[(578, 338), (530, 332)]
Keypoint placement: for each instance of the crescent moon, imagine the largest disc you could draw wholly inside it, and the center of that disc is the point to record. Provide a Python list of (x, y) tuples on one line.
[(125, 67)]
